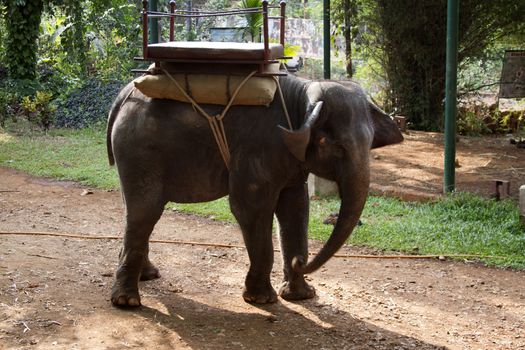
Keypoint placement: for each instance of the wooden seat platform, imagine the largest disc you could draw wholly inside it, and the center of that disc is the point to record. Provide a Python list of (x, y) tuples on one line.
[(214, 51)]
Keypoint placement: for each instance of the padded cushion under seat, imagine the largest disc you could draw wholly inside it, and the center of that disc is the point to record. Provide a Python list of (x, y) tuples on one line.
[(210, 50)]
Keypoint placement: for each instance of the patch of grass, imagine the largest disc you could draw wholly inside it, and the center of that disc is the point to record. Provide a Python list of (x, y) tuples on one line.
[(216, 210), (64, 154), (458, 224)]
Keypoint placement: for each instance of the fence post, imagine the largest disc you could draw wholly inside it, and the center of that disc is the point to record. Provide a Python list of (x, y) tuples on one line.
[(451, 95), (265, 30), (154, 24), (326, 38), (172, 20)]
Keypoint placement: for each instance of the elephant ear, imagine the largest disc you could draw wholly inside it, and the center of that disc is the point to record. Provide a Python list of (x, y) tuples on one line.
[(386, 131), (297, 140)]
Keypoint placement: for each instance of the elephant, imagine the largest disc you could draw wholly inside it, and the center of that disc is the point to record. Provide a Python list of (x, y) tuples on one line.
[(164, 150)]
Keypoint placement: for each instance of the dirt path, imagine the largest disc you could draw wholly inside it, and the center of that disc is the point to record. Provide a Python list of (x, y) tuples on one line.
[(54, 292)]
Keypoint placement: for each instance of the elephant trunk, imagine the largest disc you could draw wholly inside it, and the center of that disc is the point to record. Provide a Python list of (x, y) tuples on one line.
[(353, 193)]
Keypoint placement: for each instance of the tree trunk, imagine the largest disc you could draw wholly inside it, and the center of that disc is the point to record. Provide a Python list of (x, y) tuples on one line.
[(348, 36)]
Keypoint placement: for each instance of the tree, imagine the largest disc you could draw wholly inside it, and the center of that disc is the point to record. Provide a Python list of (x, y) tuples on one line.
[(22, 20), (345, 18), (407, 38)]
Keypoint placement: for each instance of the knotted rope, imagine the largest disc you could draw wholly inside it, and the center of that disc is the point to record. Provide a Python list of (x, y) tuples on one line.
[(216, 124), (285, 110)]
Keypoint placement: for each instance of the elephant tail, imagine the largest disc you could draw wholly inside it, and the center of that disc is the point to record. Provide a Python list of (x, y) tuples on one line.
[(115, 109)]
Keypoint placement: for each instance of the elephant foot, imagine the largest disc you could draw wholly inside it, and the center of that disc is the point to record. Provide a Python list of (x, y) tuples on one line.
[(267, 296), (125, 296), (149, 272), (258, 289), (296, 290)]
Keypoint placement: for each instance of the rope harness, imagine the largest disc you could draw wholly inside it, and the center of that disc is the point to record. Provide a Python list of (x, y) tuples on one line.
[(216, 121)]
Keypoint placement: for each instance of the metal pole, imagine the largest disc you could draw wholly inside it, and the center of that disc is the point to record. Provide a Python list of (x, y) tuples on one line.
[(451, 95), (326, 38), (145, 28), (153, 24)]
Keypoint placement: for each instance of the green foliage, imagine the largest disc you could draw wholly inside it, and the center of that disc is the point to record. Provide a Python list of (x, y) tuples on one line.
[(87, 105), (481, 73), (39, 110), (313, 69), (6, 99), (74, 37), (291, 50), (312, 9), (477, 118), (513, 121), (114, 38), (77, 39), (3, 34), (471, 124), (346, 13), (254, 20), (14, 91)]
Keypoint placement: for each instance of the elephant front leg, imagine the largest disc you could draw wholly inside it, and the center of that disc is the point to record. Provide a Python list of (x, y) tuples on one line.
[(292, 213), (256, 225)]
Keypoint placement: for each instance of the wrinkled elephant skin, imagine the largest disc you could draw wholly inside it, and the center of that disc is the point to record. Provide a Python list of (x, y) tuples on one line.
[(165, 151)]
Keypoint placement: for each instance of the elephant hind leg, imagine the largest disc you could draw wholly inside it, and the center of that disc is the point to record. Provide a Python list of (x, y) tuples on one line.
[(143, 210)]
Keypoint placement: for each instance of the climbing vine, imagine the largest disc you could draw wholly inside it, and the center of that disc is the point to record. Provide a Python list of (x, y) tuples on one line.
[(22, 26)]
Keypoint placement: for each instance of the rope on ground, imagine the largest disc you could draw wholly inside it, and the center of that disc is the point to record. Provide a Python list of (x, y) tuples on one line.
[(225, 245)]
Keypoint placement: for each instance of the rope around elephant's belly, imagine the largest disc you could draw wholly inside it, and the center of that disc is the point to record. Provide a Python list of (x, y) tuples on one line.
[(225, 245)]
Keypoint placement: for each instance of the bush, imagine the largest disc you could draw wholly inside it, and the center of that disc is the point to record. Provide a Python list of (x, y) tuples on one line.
[(31, 98), (39, 110), (5, 101), (88, 104), (477, 118)]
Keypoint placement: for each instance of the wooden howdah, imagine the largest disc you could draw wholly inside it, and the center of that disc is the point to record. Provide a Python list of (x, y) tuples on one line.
[(215, 57)]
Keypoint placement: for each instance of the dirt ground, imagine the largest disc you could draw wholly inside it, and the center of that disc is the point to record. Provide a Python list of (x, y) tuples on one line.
[(413, 170), (54, 291)]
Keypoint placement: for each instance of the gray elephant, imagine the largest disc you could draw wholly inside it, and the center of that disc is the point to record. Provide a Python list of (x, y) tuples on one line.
[(165, 151)]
